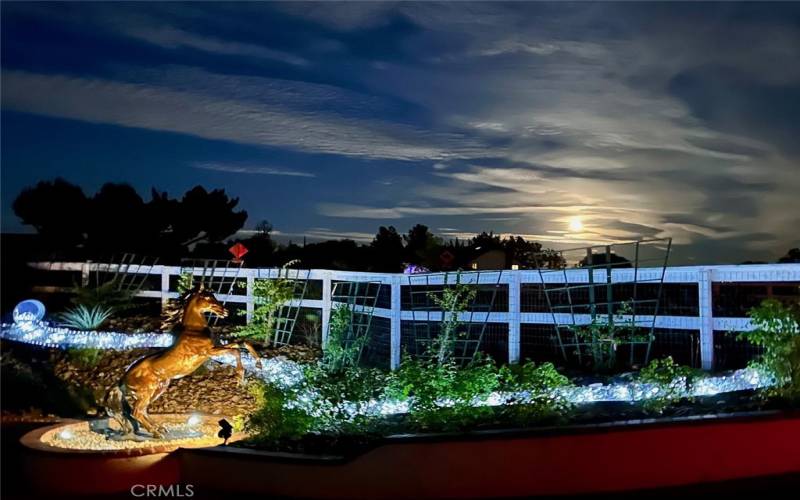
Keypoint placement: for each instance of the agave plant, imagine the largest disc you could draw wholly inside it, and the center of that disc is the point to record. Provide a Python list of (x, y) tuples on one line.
[(85, 318)]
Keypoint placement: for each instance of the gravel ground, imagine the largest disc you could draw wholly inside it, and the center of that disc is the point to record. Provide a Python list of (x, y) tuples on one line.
[(80, 437), (213, 388)]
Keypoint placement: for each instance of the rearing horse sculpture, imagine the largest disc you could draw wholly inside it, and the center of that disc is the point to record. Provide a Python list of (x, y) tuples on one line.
[(148, 378)]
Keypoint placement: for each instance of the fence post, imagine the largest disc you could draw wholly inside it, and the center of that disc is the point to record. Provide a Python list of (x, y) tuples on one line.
[(514, 311), (706, 310), (250, 304), (326, 306), (85, 273), (396, 324), (164, 287)]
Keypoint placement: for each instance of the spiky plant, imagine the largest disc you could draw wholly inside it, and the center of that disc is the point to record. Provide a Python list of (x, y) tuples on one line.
[(85, 318)]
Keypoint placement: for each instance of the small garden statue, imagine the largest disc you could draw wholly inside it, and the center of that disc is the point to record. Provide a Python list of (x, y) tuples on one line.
[(149, 377)]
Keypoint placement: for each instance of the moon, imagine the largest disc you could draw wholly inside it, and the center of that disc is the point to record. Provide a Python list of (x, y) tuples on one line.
[(575, 224)]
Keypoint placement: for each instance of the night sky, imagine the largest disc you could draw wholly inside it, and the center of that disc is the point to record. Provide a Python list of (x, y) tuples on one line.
[(569, 124)]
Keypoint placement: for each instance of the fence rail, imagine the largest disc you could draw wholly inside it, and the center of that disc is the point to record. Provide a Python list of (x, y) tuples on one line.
[(705, 277)]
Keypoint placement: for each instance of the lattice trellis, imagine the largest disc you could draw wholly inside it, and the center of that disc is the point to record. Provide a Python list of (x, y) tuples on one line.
[(360, 297), (205, 272), (609, 293), (126, 273), (286, 317), (428, 320)]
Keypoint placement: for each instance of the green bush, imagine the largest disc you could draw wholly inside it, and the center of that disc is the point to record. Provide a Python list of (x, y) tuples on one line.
[(673, 381), (442, 394), (332, 395), (777, 331), (600, 339), (452, 301), (85, 357), (343, 350), (539, 384), (531, 377), (269, 296), (277, 417), (343, 397)]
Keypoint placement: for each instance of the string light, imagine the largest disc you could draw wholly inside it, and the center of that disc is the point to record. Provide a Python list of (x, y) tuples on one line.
[(29, 330), (285, 373)]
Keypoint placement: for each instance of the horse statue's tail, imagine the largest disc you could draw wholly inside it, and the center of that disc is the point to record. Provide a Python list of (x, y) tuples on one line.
[(117, 407)]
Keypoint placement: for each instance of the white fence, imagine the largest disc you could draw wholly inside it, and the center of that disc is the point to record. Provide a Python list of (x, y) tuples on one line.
[(704, 276)]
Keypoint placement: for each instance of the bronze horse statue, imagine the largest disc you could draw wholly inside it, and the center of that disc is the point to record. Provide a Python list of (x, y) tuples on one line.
[(147, 379)]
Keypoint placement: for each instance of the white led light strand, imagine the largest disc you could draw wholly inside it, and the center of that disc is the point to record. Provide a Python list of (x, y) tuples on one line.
[(285, 373), (32, 331)]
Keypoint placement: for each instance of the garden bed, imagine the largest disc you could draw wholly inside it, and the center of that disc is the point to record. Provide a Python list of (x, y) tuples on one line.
[(615, 456), (501, 420)]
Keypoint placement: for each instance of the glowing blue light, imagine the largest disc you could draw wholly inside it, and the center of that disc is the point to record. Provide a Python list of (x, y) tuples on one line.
[(37, 332), (28, 310)]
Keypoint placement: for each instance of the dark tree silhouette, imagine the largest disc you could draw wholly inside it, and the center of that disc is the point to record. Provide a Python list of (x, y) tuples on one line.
[(206, 216), (793, 255), (387, 251), (261, 248), (422, 247), (487, 241), (117, 219), (58, 210)]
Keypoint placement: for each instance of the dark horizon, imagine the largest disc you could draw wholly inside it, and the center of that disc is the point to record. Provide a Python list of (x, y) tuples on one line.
[(567, 124)]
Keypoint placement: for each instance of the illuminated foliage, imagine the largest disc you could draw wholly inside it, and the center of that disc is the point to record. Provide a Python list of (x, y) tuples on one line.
[(269, 296), (82, 317), (777, 331), (672, 381)]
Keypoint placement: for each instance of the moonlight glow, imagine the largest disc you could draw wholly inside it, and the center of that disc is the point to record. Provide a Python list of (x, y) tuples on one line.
[(575, 224)]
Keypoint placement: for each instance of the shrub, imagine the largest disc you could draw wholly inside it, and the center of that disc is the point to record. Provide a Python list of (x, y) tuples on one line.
[(185, 283), (82, 317), (452, 301), (332, 396), (343, 349), (673, 381), (85, 357), (600, 339), (269, 296), (442, 394), (277, 416), (531, 377), (777, 331), (343, 396), (539, 398)]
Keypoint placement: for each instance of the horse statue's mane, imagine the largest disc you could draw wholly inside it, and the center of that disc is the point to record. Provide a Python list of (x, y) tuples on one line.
[(172, 314)]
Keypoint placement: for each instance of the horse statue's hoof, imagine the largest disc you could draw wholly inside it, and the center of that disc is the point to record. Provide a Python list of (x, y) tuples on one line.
[(160, 433)]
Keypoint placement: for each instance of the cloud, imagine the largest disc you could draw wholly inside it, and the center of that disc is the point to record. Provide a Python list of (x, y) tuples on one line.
[(245, 169), (174, 38), (323, 234), (246, 110), (643, 120)]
